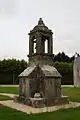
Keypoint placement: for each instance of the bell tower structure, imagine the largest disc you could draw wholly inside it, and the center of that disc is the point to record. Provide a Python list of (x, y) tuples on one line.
[(40, 44), (40, 82), (38, 36)]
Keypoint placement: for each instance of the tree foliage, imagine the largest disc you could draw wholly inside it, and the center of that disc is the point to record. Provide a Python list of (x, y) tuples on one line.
[(11, 68), (12, 65), (66, 70), (62, 57)]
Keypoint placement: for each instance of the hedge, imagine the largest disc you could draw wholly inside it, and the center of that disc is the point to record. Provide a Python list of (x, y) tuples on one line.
[(66, 70), (9, 74)]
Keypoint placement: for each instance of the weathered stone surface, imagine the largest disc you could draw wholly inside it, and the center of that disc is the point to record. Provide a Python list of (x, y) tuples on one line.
[(40, 83), (48, 71), (76, 71), (41, 27)]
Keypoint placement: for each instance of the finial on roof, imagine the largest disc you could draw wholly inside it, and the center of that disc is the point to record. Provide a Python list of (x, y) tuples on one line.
[(40, 22)]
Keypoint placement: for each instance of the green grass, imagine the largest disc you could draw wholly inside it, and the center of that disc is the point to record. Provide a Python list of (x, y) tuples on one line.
[(11, 114), (63, 114), (13, 90), (4, 97), (72, 92)]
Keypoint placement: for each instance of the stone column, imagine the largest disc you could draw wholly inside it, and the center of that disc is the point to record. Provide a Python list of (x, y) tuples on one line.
[(50, 45), (38, 44), (43, 46), (31, 46)]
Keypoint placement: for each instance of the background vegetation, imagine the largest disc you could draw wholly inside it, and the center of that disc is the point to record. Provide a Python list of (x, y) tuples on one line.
[(66, 70), (11, 68)]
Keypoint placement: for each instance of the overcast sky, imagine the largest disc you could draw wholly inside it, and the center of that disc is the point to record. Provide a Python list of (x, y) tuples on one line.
[(18, 17)]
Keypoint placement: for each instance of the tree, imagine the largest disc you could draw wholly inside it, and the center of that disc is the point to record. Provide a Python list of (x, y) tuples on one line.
[(62, 57), (10, 69)]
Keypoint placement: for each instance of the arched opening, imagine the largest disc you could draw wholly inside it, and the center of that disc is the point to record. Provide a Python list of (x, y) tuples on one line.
[(34, 46), (46, 46)]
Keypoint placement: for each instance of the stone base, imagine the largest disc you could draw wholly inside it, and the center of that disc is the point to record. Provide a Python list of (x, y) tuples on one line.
[(42, 102)]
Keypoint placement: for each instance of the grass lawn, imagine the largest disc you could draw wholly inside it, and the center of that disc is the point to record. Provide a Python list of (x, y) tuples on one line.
[(4, 97), (11, 114), (72, 92), (13, 90), (7, 113)]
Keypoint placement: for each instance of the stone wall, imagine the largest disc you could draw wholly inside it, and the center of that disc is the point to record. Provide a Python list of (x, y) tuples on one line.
[(76, 72)]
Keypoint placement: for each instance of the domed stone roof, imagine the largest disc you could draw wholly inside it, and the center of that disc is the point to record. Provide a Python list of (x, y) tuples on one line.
[(41, 27)]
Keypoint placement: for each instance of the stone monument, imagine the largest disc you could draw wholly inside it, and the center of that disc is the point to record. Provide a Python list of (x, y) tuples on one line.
[(76, 70), (40, 83)]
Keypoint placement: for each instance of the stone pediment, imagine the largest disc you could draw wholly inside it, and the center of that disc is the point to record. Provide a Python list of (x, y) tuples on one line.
[(27, 71), (50, 71), (47, 71)]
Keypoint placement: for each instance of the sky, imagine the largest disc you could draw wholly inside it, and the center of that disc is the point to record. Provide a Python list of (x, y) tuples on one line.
[(18, 17)]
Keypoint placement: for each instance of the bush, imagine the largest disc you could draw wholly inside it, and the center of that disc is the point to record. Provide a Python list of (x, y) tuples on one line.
[(66, 70), (10, 69)]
